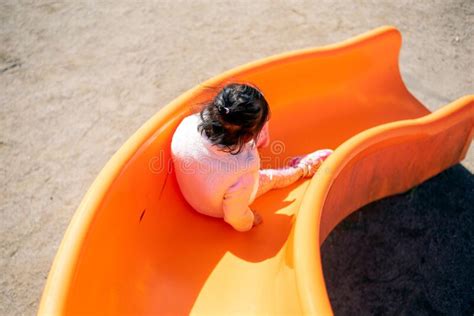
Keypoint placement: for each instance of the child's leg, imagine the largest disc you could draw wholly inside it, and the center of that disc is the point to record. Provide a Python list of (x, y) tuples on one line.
[(300, 166), (277, 178)]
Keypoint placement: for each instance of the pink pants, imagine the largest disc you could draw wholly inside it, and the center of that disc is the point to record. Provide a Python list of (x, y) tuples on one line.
[(274, 178), (277, 178)]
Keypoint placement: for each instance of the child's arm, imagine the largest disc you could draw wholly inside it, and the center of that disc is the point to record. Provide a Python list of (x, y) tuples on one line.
[(263, 139), (235, 205)]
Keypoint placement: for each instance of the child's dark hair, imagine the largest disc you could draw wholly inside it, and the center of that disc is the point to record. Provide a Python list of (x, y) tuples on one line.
[(235, 116)]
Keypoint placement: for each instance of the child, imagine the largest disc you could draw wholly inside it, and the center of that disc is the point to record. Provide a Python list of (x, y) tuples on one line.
[(216, 159)]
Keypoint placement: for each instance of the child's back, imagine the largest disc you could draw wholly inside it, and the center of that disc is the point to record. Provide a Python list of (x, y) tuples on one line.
[(205, 173)]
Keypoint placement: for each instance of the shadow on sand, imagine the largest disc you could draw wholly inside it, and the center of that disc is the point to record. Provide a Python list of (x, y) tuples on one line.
[(409, 254)]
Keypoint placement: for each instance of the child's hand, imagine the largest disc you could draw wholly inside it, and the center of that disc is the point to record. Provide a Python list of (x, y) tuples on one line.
[(257, 219)]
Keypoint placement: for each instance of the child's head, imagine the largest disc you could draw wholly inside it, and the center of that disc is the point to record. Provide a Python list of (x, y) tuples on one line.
[(235, 116)]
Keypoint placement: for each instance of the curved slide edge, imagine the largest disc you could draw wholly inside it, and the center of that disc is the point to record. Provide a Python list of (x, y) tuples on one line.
[(382, 161), (61, 275)]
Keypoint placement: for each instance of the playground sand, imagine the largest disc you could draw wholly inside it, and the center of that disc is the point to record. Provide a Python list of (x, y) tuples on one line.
[(78, 78)]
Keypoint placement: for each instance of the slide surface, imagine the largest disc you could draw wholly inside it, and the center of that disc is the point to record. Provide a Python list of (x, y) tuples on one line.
[(134, 246)]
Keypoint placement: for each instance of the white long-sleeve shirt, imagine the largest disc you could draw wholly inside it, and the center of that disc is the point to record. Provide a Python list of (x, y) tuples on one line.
[(214, 182)]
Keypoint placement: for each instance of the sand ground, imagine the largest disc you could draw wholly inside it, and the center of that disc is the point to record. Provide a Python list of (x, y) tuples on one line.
[(77, 78)]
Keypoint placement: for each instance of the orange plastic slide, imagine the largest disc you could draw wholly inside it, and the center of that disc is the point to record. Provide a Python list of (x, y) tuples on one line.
[(134, 246)]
